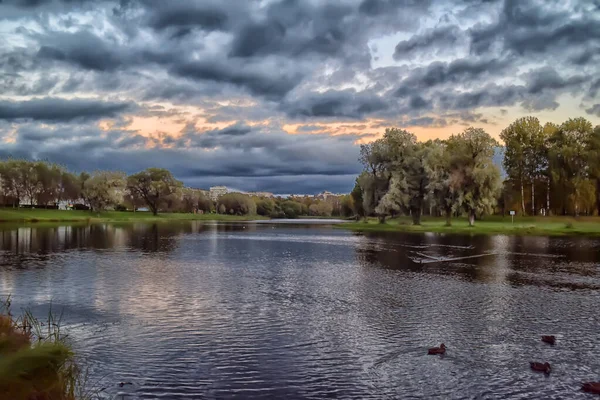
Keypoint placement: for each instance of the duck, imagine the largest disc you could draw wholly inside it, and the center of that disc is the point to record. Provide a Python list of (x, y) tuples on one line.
[(550, 339), (121, 384), (540, 367), (437, 350), (591, 387)]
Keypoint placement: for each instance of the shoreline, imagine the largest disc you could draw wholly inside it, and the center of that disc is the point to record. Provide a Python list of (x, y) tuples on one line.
[(493, 225), (37, 216), (531, 226)]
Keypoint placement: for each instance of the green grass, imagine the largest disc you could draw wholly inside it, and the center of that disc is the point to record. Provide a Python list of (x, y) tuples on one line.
[(541, 226), (23, 215)]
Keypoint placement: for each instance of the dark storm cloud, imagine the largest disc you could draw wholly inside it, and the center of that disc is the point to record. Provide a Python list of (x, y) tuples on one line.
[(547, 78), (459, 71), (56, 109), (296, 28), (333, 103), (531, 27), (210, 15), (258, 80), (376, 8), (434, 38), (38, 3), (83, 49)]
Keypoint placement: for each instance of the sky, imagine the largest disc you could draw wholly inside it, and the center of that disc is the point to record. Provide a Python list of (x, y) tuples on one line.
[(278, 95)]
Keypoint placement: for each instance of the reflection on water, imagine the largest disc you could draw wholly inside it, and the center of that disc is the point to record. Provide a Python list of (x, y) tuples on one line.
[(192, 310)]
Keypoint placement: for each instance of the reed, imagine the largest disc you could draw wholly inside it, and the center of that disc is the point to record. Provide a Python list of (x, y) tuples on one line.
[(36, 361)]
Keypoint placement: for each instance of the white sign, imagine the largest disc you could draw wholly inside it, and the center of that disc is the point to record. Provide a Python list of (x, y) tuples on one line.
[(512, 213)]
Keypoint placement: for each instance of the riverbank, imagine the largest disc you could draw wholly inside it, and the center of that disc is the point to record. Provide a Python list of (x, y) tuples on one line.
[(540, 226), (24, 215)]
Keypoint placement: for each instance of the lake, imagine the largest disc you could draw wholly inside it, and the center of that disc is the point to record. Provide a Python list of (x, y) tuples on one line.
[(259, 310)]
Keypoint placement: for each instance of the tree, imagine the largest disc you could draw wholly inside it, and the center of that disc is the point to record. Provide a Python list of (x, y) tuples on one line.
[(132, 201), (264, 206), (11, 182), (357, 199), (375, 179), (104, 189), (442, 179), (321, 208), (417, 180), (291, 209), (153, 185), (49, 177), (523, 156), (569, 160), (236, 203), (593, 152), (347, 206), (386, 162), (27, 180), (404, 160), (70, 187), (475, 177)]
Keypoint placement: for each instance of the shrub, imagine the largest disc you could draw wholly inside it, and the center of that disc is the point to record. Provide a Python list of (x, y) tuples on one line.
[(237, 203)]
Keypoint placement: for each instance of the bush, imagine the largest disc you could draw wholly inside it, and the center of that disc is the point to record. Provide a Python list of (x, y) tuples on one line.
[(277, 214), (291, 209), (264, 206), (237, 204)]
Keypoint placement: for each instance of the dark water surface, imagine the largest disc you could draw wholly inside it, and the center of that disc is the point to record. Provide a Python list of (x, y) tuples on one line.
[(195, 310)]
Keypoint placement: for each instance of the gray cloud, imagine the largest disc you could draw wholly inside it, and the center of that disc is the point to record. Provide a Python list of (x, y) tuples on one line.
[(338, 104), (57, 109), (435, 38), (532, 27), (254, 78), (207, 15)]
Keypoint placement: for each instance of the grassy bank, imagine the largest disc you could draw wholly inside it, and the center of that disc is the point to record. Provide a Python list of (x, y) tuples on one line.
[(36, 362), (23, 215), (546, 226)]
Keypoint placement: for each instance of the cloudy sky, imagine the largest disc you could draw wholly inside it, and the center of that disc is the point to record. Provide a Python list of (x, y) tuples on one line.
[(276, 95)]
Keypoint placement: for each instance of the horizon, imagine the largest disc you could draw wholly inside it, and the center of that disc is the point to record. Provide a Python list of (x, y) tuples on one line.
[(276, 96)]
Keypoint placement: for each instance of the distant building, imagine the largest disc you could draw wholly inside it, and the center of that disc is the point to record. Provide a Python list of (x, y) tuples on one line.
[(217, 191), (324, 195), (261, 194)]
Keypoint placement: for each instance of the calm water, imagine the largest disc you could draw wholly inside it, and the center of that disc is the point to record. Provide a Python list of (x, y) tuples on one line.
[(197, 310)]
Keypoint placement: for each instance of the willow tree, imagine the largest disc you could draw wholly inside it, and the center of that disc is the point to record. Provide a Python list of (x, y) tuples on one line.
[(441, 179), (404, 162), (375, 179), (103, 189), (475, 177), (153, 185)]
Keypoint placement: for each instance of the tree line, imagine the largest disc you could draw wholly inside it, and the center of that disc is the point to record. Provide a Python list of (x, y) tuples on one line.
[(552, 169), (458, 176), (43, 184)]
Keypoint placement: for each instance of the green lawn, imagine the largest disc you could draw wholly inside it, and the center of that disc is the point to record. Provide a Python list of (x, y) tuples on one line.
[(40, 215), (490, 225)]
